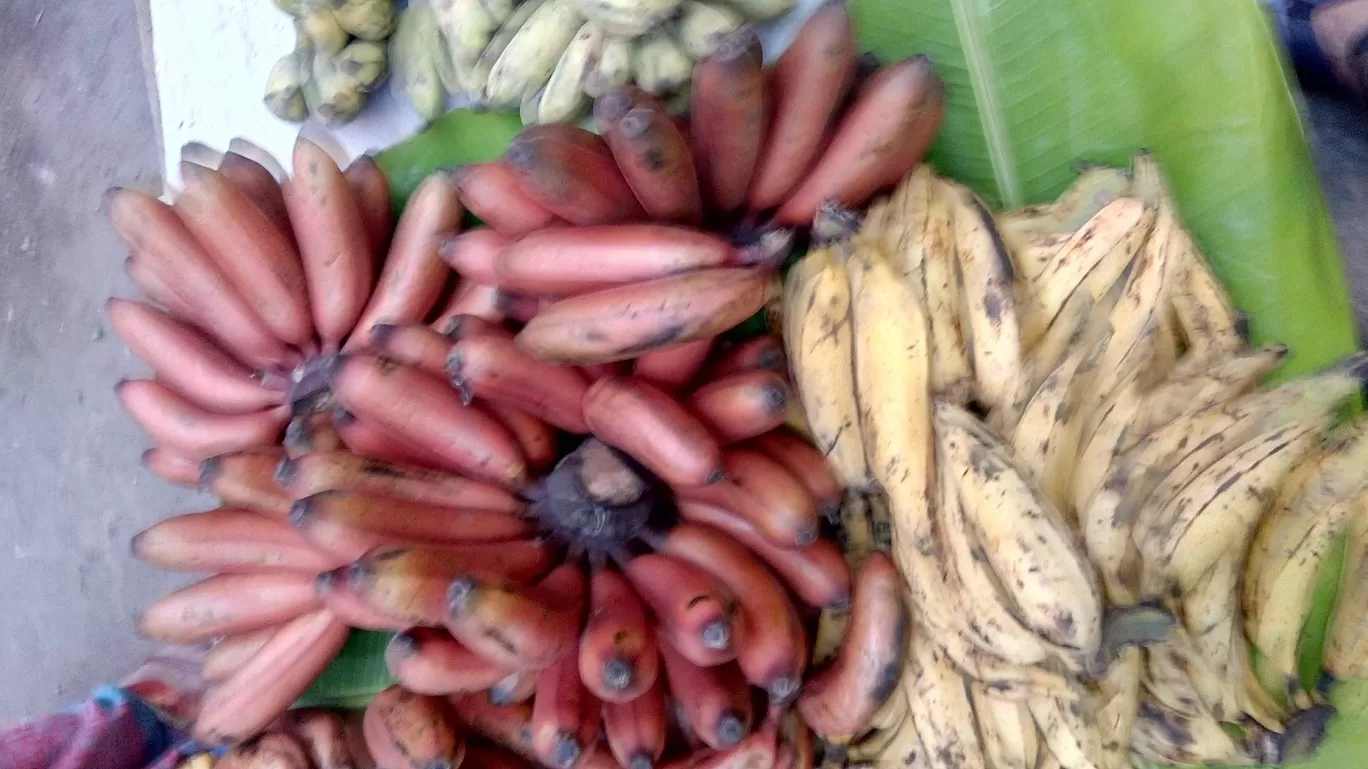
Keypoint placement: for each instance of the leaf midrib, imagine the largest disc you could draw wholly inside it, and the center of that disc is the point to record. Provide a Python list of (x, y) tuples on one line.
[(983, 80)]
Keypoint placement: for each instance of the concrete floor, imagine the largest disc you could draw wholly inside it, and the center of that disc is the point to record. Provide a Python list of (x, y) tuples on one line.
[(74, 120)]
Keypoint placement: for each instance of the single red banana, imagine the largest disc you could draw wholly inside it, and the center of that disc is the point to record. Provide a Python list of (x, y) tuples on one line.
[(692, 609), (412, 277), (508, 726), (879, 139), (742, 405), (518, 686), (714, 703), (474, 254), (806, 463), (247, 479), (575, 260), (263, 688), (492, 193), (536, 438), (348, 605), (333, 245), (839, 701), (771, 644), (653, 154), (470, 326), (344, 471), (809, 84), (228, 604), (371, 440), (177, 424), (487, 755), (636, 729), (429, 661), (516, 627), (618, 660), (473, 299), (172, 268), (273, 750), (522, 308), (648, 424), (430, 415), (371, 188), (728, 113), (311, 434), (758, 751), (397, 520), (761, 353), (256, 257), (187, 361), (323, 733), (763, 494), (817, 574), (259, 185), (625, 322), (228, 539), (171, 467), (673, 368), (571, 172), (413, 345), (560, 715), (411, 583), (492, 368), (232, 652), (405, 730)]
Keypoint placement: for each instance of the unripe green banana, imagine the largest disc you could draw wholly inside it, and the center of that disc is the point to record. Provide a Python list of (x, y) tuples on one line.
[(614, 67), (531, 56), (660, 65), (364, 63), (484, 64), (414, 52), (628, 18), (757, 10), (285, 88), (563, 99), (467, 27), (702, 25), (320, 25), (332, 96), (366, 19)]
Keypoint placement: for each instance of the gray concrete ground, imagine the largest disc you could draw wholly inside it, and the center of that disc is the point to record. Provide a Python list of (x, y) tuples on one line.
[(74, 120)]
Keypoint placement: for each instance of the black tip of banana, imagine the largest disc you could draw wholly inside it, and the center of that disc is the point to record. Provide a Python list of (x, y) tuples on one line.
[(1304, 734)]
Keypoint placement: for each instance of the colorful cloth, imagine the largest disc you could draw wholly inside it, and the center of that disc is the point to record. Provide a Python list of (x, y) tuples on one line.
[(111, 730)]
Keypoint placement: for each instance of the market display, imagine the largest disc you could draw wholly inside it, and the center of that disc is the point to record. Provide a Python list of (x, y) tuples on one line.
[(990, 489), (339, 59)]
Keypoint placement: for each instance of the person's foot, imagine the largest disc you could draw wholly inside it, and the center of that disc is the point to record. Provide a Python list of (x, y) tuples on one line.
[(1341, 33)]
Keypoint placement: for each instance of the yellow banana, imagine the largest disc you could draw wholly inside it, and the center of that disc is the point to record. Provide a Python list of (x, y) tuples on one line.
[(1346, 643), (614, 67), (1069, 731), (702, 25), (1093, 188), (1217, 383), (1008, 731), (531, 55), (1162, 736), (467, 28), (502, 37), (563, 99), (1209, 609), (831, 629), (940, 707), (759, 10), (660, 65), (628, 18), (414, 57), (1118, 705), (1046, 439)]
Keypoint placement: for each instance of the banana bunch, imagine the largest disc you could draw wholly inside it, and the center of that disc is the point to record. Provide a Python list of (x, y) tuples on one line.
[(338, 60), (1088, 562)]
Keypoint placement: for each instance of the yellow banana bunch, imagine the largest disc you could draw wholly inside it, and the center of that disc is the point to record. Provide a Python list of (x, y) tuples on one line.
[(340, 57)]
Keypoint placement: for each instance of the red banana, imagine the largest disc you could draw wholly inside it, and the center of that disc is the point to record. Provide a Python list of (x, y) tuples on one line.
[(673, 368), (771, 646), (728, 114), (508, 726), (763, 494), (412, 277), (564, 715), (473, 299), (263, 688), (345, 471), (624, 322), (618, 660), (714, 703), (487, 755), (470, 326), (187, 361), (516, 627), (247, 479), (806, 463), (492, 368), (474, 254), (348, 605), (758, 751), (399, 520), (636, 729), (228, 540), (429, 661), (371, 188), (232, 652), (413, 345), (761, 353), (631, 415), (809, 83), (260, 186), (185, 428), (492, 193), (742, 405), (411, 583), (371, 440), (177, 469), (256, 257), (333, 244), (311, 434), (879, 139), (692, 609), (571, 172), (653, 154), (817, 574), (429, 414), (228, 604), (405, 730), (536, 438)]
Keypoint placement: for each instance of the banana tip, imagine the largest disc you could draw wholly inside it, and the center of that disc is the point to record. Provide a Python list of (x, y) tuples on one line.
[(730, 729), (783, 688), (460, 592), (567, 751), (323, 583), (403, 644), (209, 469), (716, 635), (617, 674), (300, 511), (641, 761), (285, 471), (381, 332), (613, 106)]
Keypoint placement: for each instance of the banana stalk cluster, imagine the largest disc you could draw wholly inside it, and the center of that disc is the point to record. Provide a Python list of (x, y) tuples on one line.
[(339, 59), (550, 59), (1057, 420)]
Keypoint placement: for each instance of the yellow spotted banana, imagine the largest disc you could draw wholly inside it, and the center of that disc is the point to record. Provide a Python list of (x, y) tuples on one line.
[(702, 25), (562, 99), (1346, 643), (530, 57), (939, 701), (1010, 739), (660, 65), (614, 67)]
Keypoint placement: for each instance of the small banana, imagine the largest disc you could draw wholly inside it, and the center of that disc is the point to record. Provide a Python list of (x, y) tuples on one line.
[(941, 710), (332, 96), (367, 19), (1210, 609), (659, 65), (531, 55), (702, 25), (759, 10), (364, 63), (1118, 696), (491, 52), (414, 53), (563, 100), (1346, 643), (466, 26), (1046, 439), (1008, 731), (1093, 188), (321, 27), (285, 88), (1070, 731), (1179, 396), (628, 18), (614, 67)]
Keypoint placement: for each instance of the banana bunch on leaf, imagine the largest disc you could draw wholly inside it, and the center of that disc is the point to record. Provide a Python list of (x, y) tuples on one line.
[(1096, 510), (550, 59), (338, 60)]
